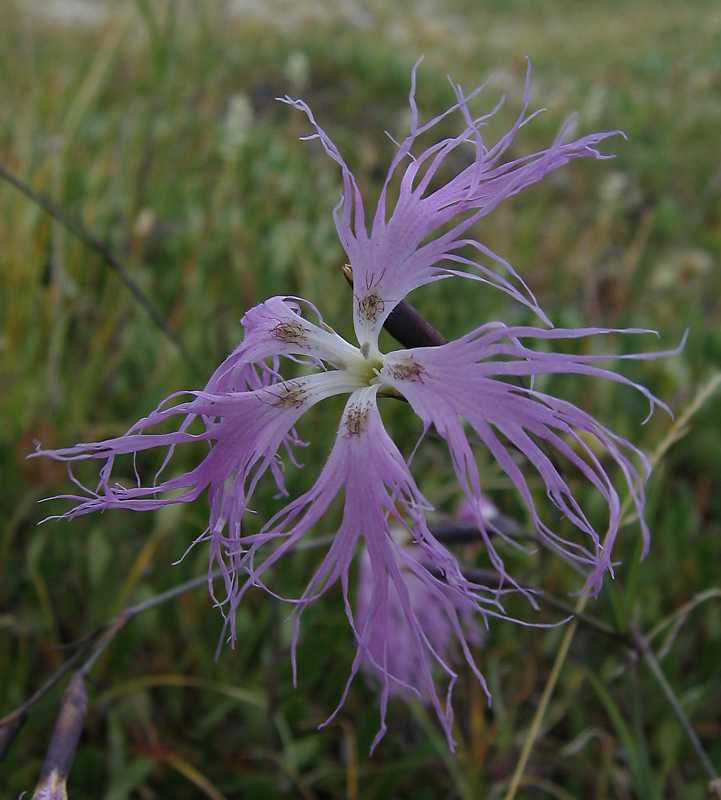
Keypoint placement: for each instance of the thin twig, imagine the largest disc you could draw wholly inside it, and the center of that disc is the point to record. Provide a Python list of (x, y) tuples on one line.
[(94, 644), (64, 741), (644, 648), (11, 724), (545, 699), (486, 576), (75, 226)]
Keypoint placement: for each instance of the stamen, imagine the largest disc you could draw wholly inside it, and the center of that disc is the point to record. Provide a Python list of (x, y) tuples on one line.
[(356, 418), (371, 306), (290, 332), (290, 395), (407, 370)]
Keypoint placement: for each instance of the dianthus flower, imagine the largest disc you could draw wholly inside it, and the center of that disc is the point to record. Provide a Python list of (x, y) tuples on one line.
[(470, 391), (403, 661)]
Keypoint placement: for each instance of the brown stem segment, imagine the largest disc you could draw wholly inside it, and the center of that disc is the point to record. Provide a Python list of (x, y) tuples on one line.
[(64, 740)]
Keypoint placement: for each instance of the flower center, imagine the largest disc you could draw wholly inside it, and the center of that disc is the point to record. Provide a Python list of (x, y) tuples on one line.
[(366, 367)]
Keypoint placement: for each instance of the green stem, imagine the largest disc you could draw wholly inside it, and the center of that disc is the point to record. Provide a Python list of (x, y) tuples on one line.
[(545, 700), (643, 647)]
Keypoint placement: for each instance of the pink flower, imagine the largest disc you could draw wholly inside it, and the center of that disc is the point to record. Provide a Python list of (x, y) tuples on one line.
[(248, 412), (402, 662)]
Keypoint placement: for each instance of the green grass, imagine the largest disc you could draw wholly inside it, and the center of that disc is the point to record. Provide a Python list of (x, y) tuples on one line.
[(124, 125)]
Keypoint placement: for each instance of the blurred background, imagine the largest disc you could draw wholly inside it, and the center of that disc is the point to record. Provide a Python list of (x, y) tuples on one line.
[(154, 122)]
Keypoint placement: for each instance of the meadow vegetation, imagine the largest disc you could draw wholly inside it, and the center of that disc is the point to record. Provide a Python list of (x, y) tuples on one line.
[(156, 125)]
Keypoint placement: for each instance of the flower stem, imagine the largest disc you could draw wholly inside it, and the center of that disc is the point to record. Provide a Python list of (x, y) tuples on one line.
[(545, 699)]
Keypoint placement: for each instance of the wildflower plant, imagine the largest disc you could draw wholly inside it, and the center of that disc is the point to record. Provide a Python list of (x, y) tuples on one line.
[(475, 391)]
